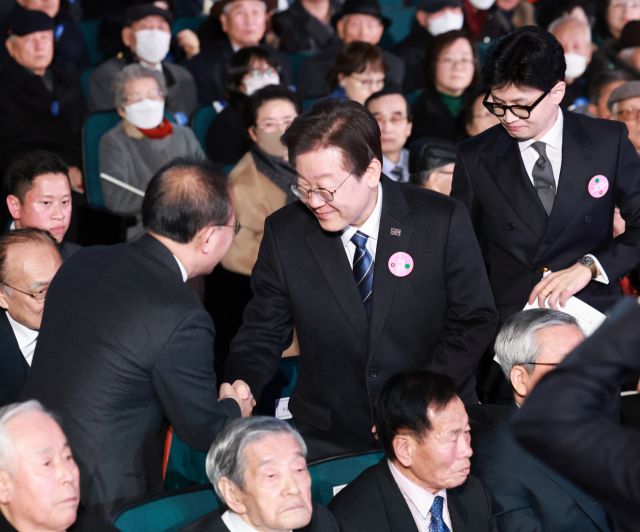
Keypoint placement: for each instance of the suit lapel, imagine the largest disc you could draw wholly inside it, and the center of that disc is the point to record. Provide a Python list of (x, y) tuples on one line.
[(457, 511), (385, 284), (13, 365), (572, 183), (505, 165), (328, 250), (397, 509)]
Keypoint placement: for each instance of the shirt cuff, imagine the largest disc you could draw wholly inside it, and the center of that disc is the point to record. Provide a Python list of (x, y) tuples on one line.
[(602, 277)]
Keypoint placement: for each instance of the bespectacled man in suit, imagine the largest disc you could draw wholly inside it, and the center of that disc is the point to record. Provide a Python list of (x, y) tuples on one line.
[(376, 276), (541, 187)]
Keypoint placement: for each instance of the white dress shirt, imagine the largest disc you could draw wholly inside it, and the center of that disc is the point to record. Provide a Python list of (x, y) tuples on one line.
[(403, 163), (235, 523), (183, 270), (420, 500), (25, 337), (369, 228), (553, 140)]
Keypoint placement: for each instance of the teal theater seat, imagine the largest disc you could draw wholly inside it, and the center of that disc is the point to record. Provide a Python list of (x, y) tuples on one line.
[(201, 122), (89, 29), (401, 22), (296, 63), (166, 512), (84, 81), (187, 23)]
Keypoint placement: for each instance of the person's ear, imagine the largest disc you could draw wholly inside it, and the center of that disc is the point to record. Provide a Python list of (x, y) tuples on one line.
[(593, 109), (340, 27), (6, 487), (224, 21), (121, 112), (403, 447), (232, 496), (340, 80), (409, 128), (518, 380), (207, 238), (3, 301), (557, 93), (10, 46), (372, 173), (252, 134), (423, 18), (14, 206), (129, 38)]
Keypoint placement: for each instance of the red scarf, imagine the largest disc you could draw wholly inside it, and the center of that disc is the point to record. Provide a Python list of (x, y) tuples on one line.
[(162, 131)]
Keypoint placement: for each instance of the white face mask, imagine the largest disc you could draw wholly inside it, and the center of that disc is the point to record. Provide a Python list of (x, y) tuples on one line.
[(444, 23), (152, 46), (255, 83), (145, 114), (482, 4), (576, 65)]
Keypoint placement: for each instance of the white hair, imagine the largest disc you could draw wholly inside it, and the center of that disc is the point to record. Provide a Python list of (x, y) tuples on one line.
[(566, 19)]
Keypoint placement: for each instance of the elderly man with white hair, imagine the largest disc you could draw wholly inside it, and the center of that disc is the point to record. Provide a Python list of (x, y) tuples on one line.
[(39, 480), (257, 466), (525, 493)]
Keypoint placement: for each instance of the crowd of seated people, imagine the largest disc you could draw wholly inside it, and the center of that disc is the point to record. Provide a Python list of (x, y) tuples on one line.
[(377, 196)]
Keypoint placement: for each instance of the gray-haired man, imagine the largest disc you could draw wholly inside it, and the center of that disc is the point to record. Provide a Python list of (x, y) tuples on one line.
[(257, 466), (525, 493)]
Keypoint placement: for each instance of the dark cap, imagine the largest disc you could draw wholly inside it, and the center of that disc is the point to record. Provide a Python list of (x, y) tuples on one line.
[(433, 6), (631, 89), (630, 36), (431, 153), (219, 5), (23, 21), (361, 7), (140, 11)]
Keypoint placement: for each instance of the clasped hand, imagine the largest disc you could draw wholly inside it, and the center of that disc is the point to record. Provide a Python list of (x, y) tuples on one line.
[(241, 392)]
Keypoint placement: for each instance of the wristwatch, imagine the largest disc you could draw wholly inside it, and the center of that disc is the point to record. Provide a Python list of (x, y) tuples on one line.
[(591, 264)]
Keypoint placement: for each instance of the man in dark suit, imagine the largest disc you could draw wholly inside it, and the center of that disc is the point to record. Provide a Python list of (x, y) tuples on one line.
[(526, 494), (126, 347), (28, 261), (541, 187), (423, 482), (245, 23), (377, 277), (359, 20), (258, 469), (305, 26), (563, 421)]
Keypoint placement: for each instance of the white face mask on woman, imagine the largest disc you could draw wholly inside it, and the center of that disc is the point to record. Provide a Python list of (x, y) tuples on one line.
[(576, 65), (145, 114), (255, 83), (152, 46), (444, 23)]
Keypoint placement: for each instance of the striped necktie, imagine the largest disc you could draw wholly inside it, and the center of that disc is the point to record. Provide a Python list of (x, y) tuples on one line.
[(363, 269)]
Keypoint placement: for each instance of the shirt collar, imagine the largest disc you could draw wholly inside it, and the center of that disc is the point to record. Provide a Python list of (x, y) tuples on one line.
[(371, 226), (12, 227), (403, 162), (183, 271), (235, 523), (157, 66), (24, 335), (421, 498), (552, 138)]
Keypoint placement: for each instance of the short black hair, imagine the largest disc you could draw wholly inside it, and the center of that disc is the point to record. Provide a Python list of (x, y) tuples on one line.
[(602, 79), (404, 401), (390, 90), (240, 66), (339, 123), (25, 168), (185, 196), (527, 57), (354, 58), (267, 94)]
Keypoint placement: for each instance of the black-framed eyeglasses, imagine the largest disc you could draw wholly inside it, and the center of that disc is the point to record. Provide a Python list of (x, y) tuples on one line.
[(236, 227), (322, 193), (537, 363), (38, 296), (520, 111)]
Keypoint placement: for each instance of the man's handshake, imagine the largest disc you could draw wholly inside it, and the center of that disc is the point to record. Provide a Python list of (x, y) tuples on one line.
[(241, 392)]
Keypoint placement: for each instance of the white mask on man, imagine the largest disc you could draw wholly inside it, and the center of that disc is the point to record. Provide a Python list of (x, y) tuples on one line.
[(482, 4), (152, 46), (255, 83), (444, 23), (576, 65), (145, 114)]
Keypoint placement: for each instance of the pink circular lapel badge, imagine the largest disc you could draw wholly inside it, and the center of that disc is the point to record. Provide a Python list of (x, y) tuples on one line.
[(598, 186), (400, 264)]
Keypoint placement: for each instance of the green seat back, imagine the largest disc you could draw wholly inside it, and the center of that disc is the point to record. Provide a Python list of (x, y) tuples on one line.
[(166, 512), (187, 23), (201, 122), (482, 50), (413, 96), (279, 388), (401, 22), (391, 3), (337, 472), (308, 102), (84, 81), (89, 29), (296, 63)]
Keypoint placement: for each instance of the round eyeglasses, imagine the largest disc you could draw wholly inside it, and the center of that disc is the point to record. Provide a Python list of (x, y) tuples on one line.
[(321, 193), (519, 111)]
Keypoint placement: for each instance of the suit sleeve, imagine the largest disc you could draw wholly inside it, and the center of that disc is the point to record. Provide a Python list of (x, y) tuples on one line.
[(462, 190), (561, 422), (619, 256), (471, 316), (185, 383), (267, 327)]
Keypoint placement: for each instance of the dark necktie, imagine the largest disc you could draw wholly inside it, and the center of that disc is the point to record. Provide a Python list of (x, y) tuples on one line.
[(363, 269), (397, 173), (543, 180), (437, 523)]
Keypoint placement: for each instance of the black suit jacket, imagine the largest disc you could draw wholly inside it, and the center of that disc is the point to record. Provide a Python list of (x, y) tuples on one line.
[(432, 118), (440, 317), (67, 249), (126, 348), (373, 502), (312, 82), (491, 181), (209, 67), (13, 366), (526, 494), (411, 50), (321, 521), (299, 31), (561, 422)]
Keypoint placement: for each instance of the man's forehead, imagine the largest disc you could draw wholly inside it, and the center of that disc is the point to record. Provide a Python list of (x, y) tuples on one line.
[(389, 103), (246, 4), (516, 94), (36, 34), (279, 447), (450, 418), (49, 182), (630, 102), (35, 431)]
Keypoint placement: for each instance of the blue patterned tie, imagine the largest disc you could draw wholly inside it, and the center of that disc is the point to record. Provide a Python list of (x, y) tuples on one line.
[(363, 269), (437, 523)]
